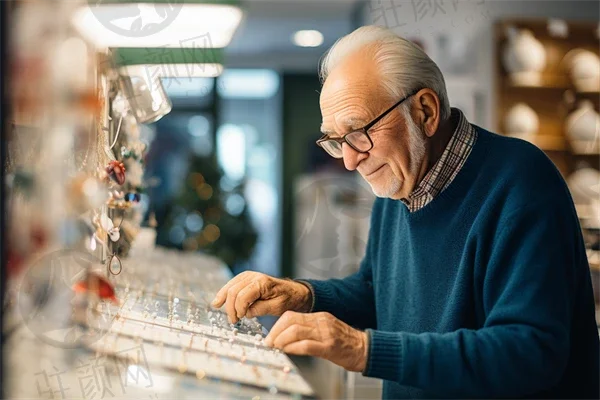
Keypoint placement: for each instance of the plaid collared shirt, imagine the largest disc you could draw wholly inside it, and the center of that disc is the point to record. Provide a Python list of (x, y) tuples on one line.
[(447, 167)]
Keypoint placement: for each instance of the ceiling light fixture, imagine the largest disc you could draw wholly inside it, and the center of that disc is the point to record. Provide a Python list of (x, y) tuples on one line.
[(187, 24), (308, 38)]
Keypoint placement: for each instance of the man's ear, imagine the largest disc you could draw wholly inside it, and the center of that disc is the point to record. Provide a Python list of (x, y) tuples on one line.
[(427, 107)]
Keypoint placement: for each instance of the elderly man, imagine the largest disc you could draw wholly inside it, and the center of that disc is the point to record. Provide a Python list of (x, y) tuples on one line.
[(475, 281)]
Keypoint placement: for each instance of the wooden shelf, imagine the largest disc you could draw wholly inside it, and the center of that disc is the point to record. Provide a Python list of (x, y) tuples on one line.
[(594, 97), (586, 153), (555, 97), (549, 83)]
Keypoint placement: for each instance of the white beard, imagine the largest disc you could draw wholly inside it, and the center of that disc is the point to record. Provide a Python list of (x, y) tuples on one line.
[(389, 188), (416, 145)]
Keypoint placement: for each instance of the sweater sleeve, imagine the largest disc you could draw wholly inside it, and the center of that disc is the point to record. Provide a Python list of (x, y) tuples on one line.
[(528, 289), (351, 299)]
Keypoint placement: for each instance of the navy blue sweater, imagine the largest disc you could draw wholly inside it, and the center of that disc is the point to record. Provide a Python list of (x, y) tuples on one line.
[(484, 292)]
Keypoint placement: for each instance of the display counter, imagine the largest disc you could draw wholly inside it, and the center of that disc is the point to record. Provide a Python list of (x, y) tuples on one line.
[(160, 339)]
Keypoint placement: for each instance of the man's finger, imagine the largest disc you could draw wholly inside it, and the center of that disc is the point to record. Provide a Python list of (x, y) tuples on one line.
[(221, 295), (295, 333), (246, 297), (264, 307), (306, 348), (232, 294), (288, 318)]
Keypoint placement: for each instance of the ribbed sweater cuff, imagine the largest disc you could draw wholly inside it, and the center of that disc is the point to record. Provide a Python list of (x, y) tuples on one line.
[(312, 292), (324, 298), (384, 360)]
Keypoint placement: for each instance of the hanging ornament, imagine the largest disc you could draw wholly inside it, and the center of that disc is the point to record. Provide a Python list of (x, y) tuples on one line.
[(96, 285), (113, 231), (106, 225), (127, 153), (117, 200), (114, 265), (116, 171), (132, 197)]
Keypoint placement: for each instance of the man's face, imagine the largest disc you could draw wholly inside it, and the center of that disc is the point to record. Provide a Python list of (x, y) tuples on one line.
[(351, 98)]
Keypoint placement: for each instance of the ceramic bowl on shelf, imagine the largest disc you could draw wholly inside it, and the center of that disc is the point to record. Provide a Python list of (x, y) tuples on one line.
[(582, 128), (524, 57), (584, 69), (584, 185), (521, 121)]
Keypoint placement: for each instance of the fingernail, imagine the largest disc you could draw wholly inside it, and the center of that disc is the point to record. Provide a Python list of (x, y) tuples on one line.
[(214, 302)]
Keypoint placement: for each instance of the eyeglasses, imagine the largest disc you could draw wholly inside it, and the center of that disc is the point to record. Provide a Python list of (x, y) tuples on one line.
[(359, 139)]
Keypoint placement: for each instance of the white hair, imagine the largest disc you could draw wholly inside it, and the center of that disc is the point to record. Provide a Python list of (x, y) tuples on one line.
[(403, 65)]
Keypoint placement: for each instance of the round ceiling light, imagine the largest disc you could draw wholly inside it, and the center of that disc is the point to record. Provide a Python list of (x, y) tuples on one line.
[(308, 38)]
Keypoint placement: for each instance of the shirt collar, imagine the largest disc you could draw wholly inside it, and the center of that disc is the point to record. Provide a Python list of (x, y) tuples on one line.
[(446, 168)]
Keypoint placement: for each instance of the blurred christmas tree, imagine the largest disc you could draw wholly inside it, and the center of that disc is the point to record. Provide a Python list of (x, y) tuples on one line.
[(210, 215)]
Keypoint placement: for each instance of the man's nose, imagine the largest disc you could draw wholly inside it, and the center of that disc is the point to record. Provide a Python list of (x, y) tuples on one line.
[(352, 157)]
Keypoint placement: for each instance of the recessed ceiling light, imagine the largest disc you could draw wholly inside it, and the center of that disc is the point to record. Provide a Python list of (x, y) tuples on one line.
[(308, 38)]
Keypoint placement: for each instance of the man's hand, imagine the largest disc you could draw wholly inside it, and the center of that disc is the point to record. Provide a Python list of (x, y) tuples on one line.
[(252, 294), (320, 335)]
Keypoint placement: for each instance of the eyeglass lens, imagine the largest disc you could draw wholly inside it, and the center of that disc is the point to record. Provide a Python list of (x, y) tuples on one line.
[(357, 140)]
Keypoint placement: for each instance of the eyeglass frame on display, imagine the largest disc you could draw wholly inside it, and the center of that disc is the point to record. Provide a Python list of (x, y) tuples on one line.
[(363, 130)]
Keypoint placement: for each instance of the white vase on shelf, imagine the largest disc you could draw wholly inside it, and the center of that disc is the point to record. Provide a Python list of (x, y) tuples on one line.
[(524, 57), (521, 121), (584, 185), (582, 127), (584, 69)]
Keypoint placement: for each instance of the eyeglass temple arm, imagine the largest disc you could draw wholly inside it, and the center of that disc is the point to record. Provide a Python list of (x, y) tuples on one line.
[(386, 112)]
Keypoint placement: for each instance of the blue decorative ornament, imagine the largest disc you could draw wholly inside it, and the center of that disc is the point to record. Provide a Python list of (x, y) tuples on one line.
[(132, 197)]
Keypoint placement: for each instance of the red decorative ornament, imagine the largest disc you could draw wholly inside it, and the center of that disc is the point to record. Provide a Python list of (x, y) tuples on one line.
[(116, 170), (17, 256), (98, 285)]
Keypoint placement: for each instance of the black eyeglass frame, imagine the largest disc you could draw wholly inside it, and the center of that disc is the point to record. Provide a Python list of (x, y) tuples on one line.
[(363, 130)]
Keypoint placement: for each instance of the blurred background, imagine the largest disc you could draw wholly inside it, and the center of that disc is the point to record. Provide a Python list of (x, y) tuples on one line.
[(214, 119)]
